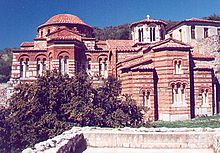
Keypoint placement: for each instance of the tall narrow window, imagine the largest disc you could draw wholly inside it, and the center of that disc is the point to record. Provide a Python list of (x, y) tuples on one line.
[(41, 33), (151, 37), (204, 96), (38, 66), (48, 31), (24, 66), (89, 64), (193, 32), (146, 99), (44, 64), (154, 36), (161, 35), (100, 66), (140, 35), (218, 32), (173, 93), (177, 67), (180, 32), (205, 32), (21, 68)]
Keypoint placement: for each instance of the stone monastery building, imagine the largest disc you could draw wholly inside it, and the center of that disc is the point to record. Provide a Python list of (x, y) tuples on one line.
[(158, 67)]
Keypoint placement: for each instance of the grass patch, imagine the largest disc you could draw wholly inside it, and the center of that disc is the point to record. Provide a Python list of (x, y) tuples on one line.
[(203, 122)]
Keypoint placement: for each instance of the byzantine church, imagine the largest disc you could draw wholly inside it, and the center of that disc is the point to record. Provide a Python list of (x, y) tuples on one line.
[(164, 70)]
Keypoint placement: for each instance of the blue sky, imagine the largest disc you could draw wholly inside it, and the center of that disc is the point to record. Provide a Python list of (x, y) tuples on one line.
[(19, 18)]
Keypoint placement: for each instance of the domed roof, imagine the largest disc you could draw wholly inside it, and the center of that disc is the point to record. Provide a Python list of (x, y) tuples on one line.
[(64, 18)]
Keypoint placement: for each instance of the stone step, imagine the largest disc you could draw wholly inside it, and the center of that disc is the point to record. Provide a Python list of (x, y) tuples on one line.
[(132, 150)]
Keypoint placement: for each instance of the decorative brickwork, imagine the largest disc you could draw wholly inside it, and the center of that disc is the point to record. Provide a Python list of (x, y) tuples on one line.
[(166, 76)]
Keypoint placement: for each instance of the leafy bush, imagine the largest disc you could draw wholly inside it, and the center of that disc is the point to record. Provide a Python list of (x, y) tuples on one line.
[(54, 103)]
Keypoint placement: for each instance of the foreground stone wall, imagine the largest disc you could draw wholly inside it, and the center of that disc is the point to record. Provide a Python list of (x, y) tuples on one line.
[(67, 142), (73, 141)]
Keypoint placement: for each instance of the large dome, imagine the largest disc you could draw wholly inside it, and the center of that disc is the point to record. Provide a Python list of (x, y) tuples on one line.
[(64, 19)]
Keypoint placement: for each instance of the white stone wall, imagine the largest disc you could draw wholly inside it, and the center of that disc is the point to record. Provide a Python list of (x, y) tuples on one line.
[(186, 32), (141, 138)]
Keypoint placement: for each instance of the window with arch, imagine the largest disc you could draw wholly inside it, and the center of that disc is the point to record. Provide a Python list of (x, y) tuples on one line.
[(41, 33), (152, 34), (178, 66), (146, 98), (204, 94), (24, 67), (103, 67), (180, 33), (140, 35), (89, 64), (63, 64), (48, 31), (178, 93), (161, 34), (41, 66)]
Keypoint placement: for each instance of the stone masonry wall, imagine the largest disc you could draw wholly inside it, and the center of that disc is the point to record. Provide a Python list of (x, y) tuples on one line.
[(209, 46), (73, 141)]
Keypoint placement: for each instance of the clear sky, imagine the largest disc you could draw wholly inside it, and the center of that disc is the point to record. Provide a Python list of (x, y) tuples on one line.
[(19, 18)]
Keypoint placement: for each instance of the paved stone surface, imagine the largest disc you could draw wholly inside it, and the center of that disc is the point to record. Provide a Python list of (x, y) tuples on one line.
[(131, 150)]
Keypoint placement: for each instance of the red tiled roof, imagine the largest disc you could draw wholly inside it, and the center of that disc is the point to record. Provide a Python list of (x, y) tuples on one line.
[(27, 44), (198, 55), (169, 43), (65, 19), (194, 20), (140, 63), (130, 59), (101, 45), (148, 21), (121, 45)]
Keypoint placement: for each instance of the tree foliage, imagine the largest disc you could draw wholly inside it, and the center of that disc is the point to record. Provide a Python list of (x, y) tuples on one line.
[(5, 64), (54, 103)]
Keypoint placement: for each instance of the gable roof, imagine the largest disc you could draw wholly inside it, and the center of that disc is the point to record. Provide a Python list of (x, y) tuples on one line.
[(121, 45), (64, 34), (167, 44), (194, 20), (27, 44), (199, 56), (142, 63)]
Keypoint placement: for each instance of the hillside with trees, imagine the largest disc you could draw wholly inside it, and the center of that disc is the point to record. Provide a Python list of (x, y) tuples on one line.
[(5, 64)]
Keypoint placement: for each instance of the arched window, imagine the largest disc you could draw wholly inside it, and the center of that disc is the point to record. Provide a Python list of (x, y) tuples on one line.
[(178, 93), (177, 67), (152, 34), (21, 68), (44, 64), (89, 64), (100, 66), (204, 93), (24, 66), (140, 35), (146, 99), (48, 31), (63, 64), (161, 35), (38, 67)]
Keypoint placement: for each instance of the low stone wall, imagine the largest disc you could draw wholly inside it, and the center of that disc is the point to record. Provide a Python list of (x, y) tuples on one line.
[(68, 142), (142, 138)]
